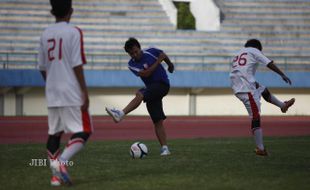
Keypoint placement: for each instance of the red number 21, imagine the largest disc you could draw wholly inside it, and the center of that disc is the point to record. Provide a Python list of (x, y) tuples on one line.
[(241, 60), (52, 46)]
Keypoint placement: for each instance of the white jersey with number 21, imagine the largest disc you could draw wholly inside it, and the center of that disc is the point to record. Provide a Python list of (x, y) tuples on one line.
[(243, 68), (61, 49)]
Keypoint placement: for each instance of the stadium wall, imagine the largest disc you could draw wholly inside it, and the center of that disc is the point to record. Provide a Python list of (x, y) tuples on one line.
[(192, 93), (206, 13)]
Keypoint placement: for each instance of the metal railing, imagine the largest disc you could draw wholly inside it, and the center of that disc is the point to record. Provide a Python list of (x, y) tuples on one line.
[(118, 61)]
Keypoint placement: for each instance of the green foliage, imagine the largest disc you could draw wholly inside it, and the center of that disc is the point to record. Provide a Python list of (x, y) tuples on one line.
[(219, 163), (185, 18)]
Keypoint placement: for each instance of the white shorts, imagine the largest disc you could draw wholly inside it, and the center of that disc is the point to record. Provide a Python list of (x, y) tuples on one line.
[(251, 101), (68, 119)]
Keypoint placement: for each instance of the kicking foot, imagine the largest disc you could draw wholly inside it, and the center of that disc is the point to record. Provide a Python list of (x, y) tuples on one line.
[(287, 105), (164, 152), (55, 181), (260, 152), (60, 170), (117, 115)]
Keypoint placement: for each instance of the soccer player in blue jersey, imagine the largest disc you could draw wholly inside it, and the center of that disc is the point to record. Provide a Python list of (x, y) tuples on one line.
[(146, 64)]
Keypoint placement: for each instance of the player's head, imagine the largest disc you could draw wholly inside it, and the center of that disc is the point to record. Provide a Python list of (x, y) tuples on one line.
[(254, 43), (133, 48), (61, 8)]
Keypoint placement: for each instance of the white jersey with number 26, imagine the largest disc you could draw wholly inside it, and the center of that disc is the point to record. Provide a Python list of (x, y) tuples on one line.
[(61, 49), (243, 68)]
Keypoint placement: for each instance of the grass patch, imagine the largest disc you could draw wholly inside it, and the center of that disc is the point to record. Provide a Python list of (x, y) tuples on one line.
[(216, 163)]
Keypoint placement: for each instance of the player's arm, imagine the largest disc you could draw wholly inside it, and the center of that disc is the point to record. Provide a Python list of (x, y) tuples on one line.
[(147, 72), (43, 73), (274, 68), (78, 70), (41, 60), (169, 63)]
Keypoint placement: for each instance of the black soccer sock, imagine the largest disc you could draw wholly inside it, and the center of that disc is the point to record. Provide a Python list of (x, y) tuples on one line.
[(52, 146)]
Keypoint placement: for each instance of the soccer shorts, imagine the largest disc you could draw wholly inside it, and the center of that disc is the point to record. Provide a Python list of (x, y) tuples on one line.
[(69, 119), (152, 96), (251, 101)]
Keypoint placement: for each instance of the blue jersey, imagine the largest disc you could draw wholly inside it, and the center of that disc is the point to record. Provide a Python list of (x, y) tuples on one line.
[(149, 57)]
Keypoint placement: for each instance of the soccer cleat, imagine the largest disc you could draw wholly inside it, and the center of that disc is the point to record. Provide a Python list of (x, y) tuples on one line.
[(65, 175), (117, 115), (55, 181), (287, 105), (261, 152), (61, 172), (164, 152)]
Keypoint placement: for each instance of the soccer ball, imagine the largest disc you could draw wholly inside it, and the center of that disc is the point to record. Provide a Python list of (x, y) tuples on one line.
[(138, 150)]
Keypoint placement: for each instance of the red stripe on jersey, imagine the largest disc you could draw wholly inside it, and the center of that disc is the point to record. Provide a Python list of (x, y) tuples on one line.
[(86, 122), (254, 108), (82, 46)]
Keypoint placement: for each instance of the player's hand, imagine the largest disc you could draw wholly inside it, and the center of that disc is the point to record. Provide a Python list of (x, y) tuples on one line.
[(171, 68), (286, 79), (161, 57)]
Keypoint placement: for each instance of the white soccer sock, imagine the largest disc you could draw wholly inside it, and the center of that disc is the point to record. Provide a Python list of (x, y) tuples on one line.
[(53, 156), (258, 136), (73, 147), (276, 101)]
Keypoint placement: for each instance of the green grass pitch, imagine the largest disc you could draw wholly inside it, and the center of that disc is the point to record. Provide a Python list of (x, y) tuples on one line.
[(215, 163)]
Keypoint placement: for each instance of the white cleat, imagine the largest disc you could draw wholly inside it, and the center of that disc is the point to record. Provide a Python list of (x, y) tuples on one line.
[(164, 152), (117, 115), (60, 171)]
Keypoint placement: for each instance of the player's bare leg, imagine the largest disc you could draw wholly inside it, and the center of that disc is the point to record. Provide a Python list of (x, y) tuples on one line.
[(134, 103), (273, 100), (162, 138), (160, 132)]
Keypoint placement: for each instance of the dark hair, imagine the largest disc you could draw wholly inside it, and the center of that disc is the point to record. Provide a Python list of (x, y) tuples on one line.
[(61, 8), (130, 43), (254, 43)]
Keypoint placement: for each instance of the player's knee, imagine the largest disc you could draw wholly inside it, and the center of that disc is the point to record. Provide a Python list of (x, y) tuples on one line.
[(53, 142), (266, 95), (158, 122), (139, 95), (55, 137), (57, 134), (81, 135)]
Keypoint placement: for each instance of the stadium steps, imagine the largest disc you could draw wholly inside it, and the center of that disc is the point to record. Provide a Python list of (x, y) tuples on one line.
[(107, 25)]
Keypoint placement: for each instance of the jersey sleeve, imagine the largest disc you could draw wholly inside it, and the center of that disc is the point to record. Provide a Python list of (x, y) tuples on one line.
[(41, 65), (78, 54), (133, 69), (154, 51), (261, 58)]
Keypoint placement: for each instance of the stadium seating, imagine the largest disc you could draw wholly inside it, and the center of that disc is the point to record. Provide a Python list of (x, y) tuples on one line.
[(281, 25)]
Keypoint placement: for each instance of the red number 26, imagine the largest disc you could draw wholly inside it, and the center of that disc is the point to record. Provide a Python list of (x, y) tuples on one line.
[(241, 60)]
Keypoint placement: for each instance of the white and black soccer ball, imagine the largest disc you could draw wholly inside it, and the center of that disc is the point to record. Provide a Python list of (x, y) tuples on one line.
[(138, 150)]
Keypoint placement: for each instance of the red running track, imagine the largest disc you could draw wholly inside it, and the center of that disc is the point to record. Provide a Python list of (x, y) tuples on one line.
[(34, 129)]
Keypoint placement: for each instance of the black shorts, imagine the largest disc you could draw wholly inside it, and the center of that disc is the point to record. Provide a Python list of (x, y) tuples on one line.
[(152, 96)]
